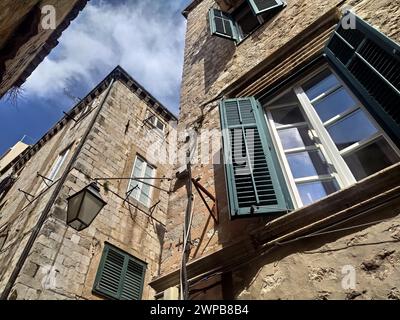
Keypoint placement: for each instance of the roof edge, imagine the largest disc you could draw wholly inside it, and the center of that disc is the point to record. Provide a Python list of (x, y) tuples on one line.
[(50, 43), (118, 73), (190, 7)]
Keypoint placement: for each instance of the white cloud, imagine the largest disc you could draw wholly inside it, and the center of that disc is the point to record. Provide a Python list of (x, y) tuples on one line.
[(145, 37)]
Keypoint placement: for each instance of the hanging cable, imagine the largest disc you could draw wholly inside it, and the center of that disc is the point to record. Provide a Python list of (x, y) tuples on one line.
[(188, 221), (185, 241)]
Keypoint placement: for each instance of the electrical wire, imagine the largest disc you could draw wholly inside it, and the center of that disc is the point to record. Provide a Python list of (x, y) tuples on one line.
[(185, 241), (272, 245)]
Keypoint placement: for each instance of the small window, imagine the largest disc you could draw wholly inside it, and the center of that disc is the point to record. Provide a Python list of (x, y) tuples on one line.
[(58, 164), (140, 189), (155, 122), (244, 19), (120, 276)]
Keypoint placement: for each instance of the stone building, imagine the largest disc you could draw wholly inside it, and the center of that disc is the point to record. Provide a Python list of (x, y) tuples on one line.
[(113, 134), (289, 130), (25, 41), (306, 95)]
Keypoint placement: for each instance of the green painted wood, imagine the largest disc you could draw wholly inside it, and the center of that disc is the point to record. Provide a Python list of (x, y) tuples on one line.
[(261, 6), (222, 25), (369, 62), (120, 276), (253, 176)]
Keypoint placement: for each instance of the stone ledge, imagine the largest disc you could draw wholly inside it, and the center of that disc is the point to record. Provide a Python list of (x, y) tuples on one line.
[(382, 188)]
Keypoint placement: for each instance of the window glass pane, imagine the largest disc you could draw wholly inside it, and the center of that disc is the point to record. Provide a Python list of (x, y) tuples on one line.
[(57, 165), (371, 158), (160, 125), (307, 164), (352, 129), (295, 137), (313, 191), (320, 84), (144, 194), (245, 19), (287, 115), (289, 98), (334, 104)]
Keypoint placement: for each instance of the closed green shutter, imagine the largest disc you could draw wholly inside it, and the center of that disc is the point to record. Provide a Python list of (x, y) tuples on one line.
[(369, 63), (120, 276), (262, 6), (222, 25), (254, 179)]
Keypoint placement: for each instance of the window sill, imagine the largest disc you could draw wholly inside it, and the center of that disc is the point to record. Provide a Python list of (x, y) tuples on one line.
[(380, 189)]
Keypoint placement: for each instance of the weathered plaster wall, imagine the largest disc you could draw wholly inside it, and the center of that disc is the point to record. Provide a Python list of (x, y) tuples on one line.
[(63, 263)]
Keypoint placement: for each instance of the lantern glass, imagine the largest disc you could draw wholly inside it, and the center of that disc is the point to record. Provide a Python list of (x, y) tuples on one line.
[(84, 206)]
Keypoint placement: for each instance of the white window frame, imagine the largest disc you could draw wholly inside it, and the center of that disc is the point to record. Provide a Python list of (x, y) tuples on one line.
[(56, 167), (154, 120), (136, 195), (323, 142)]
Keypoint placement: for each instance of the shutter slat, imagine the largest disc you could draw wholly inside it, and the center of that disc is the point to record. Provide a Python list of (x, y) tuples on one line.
[(253, 181), (133, 281), (222, 25), (120, 276), (371, 68)]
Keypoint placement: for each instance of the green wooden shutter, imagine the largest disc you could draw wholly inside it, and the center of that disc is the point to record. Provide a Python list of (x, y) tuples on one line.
[(262, 6), (369, 63), (222, 25), (254, 179), (120, 276)]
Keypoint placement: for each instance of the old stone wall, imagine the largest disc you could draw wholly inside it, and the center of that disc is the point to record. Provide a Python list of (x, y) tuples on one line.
[(212, 64), (16, 52), (63, 263)]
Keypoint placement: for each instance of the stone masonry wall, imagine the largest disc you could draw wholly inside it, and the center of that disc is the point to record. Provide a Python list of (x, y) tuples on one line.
[(211, 64), (17, 215), (11, 15), (63, 263)]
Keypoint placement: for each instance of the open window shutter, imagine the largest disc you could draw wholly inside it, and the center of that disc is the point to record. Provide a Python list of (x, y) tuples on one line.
[(109, 276), (262, 6), (120, 276), (369, 63), (253, 176), (133, 281), (222, 25)]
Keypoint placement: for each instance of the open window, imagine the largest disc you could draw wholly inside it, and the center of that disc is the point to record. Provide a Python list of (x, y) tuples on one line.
[(330, 128), (240, 22), (155, 122), (140, 187), (325, 137)]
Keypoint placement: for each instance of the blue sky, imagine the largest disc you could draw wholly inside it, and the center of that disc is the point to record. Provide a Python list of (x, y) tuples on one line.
[(145, 37)]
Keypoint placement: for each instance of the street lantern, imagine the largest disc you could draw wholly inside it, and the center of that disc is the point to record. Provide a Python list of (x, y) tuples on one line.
[(84, 206)]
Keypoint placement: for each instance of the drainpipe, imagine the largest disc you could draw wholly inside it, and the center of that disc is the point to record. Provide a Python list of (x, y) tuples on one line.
[(45, 212)]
